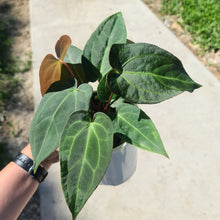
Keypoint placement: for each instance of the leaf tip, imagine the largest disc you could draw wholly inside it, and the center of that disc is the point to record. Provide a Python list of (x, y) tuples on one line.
[(62, 46), (166, 155), (163, 153), (195, 86), (198, 86)]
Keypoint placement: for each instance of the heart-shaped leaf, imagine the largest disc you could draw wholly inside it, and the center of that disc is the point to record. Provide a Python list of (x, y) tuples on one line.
[(96, 52), (145, 73), (134, 126), (85, 152), (103, 90), (51, 116), (50, 69), (73, 58), (73, 55), (62, 46)]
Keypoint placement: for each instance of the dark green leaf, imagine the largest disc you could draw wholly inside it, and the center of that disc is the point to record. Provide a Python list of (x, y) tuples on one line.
[(130, 41), (145, 73), (85, 152), (73, 55), (62, 84), (73, 58), (103, 91), (96, 52), (117, 102), (51, 116), (135, 127)]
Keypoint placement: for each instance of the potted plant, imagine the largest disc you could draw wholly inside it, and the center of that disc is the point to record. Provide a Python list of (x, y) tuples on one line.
[(86, 125)]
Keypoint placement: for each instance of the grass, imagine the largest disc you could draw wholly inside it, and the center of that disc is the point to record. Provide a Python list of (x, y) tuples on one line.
[(201, 18)]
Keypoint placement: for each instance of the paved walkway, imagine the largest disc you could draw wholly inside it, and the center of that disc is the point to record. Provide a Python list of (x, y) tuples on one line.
[(185, 187)]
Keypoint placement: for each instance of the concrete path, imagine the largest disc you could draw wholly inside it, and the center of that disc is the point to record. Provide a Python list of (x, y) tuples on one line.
[(185, 187)]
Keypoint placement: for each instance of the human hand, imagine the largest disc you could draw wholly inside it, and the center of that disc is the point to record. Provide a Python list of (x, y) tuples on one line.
[(53, 158)]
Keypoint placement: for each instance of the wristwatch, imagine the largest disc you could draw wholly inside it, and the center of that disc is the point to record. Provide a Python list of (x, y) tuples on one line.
[(27, 164)]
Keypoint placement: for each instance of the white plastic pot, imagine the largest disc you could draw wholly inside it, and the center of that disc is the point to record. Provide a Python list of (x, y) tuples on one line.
[(122, 165)]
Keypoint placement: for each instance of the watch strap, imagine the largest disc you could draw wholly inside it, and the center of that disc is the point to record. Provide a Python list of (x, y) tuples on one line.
[(27, 164)]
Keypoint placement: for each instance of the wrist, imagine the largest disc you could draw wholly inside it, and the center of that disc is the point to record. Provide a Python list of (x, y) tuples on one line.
[(25, 161), (27, 151)]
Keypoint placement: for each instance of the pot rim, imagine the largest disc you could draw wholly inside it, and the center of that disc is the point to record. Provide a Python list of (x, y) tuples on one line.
[(120, 146)]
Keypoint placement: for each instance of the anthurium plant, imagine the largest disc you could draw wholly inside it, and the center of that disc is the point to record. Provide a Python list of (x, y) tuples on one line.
[(87, 124)]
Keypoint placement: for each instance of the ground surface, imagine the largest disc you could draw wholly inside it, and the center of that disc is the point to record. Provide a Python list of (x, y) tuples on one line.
[(210, 59), (18, 111)]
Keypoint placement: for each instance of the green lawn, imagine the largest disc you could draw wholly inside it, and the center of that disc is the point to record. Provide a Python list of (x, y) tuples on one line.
[(199, 17)]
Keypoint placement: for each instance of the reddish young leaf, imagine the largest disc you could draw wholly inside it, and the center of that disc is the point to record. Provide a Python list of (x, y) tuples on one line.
[(62, 46), (50, 69)]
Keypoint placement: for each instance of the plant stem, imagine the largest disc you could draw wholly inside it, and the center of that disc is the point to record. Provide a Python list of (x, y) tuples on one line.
[(109, 100)]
